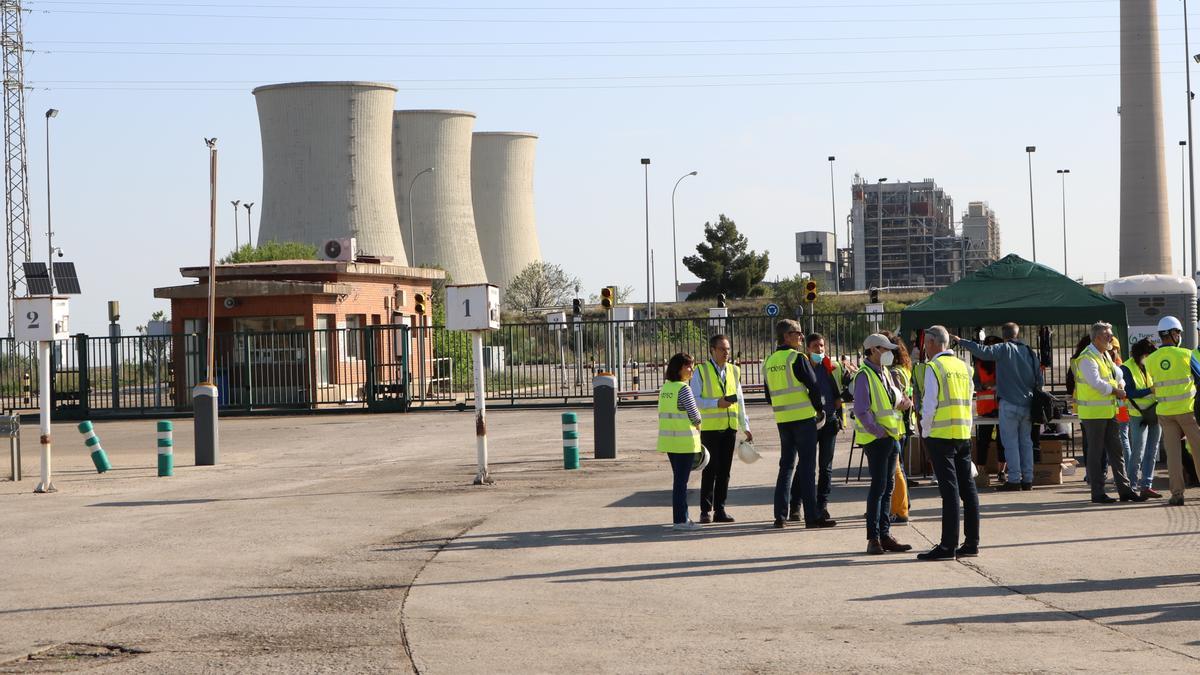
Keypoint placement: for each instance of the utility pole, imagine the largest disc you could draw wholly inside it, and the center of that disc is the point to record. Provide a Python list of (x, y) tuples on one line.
[(16, 173)]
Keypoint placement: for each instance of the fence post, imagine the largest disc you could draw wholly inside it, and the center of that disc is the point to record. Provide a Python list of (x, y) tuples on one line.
[(85, 380), (405, 365), (248, 379), (368, 335)]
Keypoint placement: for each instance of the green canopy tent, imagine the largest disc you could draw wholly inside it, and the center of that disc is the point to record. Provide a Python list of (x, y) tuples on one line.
[(1014, 289)]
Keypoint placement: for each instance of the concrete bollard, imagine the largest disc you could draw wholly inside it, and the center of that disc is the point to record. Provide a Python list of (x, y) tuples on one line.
[(92, 441), (166, 449), (570, 436), (604, 415)]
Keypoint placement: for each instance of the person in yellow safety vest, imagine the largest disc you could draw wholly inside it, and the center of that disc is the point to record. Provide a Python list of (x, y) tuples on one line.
[(1144, 431), (799, 407), (1099, 385), (832, 377), (1171, 368), (878, 426), (679, 433), (717, 384), (946, 428), (901, 373)]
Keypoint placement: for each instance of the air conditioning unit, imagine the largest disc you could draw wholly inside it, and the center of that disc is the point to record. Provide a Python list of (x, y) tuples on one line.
[(343, 250)]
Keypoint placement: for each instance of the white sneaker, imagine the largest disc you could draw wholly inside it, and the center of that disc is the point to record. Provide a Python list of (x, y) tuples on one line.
[(685, 527)]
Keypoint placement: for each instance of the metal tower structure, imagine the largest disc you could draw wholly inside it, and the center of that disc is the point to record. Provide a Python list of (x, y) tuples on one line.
[(16, 178)]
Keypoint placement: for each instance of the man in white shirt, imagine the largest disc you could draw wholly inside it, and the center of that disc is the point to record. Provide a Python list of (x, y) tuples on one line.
[(1098, 387), (714, 382)]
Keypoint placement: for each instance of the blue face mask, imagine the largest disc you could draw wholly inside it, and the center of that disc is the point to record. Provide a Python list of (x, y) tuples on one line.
[(817, 358)]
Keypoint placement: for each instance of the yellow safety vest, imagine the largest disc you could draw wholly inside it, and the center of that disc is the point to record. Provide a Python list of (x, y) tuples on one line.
[(711, 387), (675, 430), (952, 420), (882, 407), (918, 380), (1141, 381), (1171, 369), (1089, 402), (906, 388), (789, 396)]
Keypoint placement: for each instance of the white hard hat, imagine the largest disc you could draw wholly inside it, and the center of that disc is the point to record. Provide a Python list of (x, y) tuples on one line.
[(1169, 323), (747, 453), (701, 459)]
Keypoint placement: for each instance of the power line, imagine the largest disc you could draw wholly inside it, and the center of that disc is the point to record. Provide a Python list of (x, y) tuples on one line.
[(241, 90), (556, 43), (650, 8), (771, 20), (448, 55), (626, 77)]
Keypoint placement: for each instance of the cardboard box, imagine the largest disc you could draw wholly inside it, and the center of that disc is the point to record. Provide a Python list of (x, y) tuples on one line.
[(1047, 474), (1044, 455), (1048, 444)]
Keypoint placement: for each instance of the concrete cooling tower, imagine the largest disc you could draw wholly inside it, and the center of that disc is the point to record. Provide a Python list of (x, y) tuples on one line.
[(442, 231), (1145, 241), (502, 192), (327, 166)]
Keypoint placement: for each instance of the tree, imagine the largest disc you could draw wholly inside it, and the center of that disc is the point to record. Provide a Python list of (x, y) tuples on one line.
[(272, 250), (540, 284), (724, 265), (155, 346)]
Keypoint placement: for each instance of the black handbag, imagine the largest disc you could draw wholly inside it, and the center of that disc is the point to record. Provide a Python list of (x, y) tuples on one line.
[(1044, 406)]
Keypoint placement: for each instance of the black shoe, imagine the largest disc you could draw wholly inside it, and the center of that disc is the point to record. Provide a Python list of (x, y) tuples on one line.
[(823, 522), (1175, 501), (892, 546), (705, 518), (936, 553), (1009, 487), (967, 551), (1026, 486), (914, 483), (1133, 497), (794, 516), (722, 517), (898, 520), (825, 513), (1103, 499), (874, 547), (779, 523)]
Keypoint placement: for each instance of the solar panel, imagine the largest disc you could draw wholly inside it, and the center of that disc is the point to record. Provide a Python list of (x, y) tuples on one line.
[(37, 279), (65, 280)]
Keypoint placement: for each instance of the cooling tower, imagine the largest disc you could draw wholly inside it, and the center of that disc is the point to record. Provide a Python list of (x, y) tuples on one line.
[(502, 192), (442, 231), (1145, 239), (327, 168)]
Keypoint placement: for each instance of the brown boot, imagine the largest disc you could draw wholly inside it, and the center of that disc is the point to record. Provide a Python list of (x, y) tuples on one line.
[(888, 543), (874, 547)]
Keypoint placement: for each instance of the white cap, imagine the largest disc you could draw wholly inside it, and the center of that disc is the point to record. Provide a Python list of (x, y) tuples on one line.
[(877, 340)]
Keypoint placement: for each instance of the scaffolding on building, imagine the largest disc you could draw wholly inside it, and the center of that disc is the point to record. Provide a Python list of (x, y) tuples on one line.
[(904, 235)]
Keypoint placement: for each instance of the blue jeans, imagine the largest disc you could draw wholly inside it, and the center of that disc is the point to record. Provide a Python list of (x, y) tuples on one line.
[(797, 448), (1016, 429), (826, 443), (952, 465), (681, 466), (882, 455), (1143, 452)]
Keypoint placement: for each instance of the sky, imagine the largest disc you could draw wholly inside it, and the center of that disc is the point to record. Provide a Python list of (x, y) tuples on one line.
[(753, 95)]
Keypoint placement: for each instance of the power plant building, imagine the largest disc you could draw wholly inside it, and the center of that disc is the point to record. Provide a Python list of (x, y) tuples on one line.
[(327, 165), (981, 232), (502, 194), (442, 230), (904, 235)]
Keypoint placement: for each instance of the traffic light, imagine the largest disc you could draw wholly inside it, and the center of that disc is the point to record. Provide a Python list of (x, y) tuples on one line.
[(419, 303), (606, 297), (874, 295), (810, 291), (577, 307), (720, 299)]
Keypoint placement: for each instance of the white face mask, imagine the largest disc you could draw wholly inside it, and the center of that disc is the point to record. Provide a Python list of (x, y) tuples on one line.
[(887, 358)]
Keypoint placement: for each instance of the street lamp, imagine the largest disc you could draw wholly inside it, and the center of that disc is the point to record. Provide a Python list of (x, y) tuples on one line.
[(249, 232), (1063, 174), (649, 305), (49, 232), (236, 244), (1029, 150), (1191, 154), (881, 181), (837, 259), (1183, 232), (412, 230), (675, 251)]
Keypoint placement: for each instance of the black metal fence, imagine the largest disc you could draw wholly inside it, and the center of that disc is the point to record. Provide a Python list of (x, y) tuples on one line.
[(396, 368)]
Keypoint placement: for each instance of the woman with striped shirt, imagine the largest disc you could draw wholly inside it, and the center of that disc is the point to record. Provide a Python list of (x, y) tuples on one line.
[(679, 433)]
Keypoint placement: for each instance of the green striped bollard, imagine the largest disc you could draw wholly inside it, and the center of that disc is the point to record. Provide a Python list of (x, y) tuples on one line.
[(166, 449), (92, 441), (570, 441)]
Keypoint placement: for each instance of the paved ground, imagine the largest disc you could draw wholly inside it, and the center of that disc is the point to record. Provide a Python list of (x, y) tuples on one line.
[(357, 544)]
